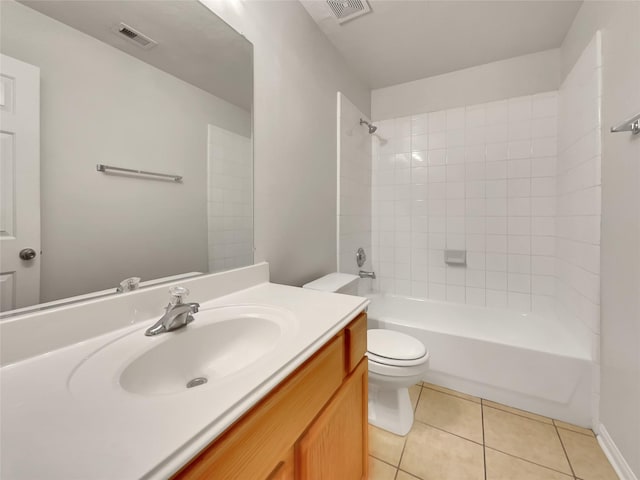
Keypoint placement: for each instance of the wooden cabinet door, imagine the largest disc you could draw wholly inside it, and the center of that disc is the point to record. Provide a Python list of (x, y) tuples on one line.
[(285, 469), (335, 446)]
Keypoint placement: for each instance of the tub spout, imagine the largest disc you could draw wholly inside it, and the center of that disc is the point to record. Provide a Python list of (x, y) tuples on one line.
[(364, 274)]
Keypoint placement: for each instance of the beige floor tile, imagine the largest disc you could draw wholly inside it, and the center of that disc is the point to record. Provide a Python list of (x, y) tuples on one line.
[(379, 470), (414, 394), (432, 454), (505, 467), (525, 438), (451, 392), (405, 476), (574, 428), (517, 411), (586, 456), (385, 446), (453, 414)]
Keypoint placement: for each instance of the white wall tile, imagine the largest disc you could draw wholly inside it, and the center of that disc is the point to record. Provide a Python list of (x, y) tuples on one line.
[(475, 296), (496, 299), (230, 242), (419, 124), (497, 180)]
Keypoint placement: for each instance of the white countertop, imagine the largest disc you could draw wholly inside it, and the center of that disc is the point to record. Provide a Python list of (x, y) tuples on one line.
[(48, 431)]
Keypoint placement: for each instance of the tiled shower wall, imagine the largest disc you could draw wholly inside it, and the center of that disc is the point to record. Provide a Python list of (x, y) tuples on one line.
[(229, 200), (354, 187), (480, 179)]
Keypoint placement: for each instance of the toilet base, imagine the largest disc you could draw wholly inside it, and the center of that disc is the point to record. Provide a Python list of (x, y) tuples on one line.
[(390, 409)]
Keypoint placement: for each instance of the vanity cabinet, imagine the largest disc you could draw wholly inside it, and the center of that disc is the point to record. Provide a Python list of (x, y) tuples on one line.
[(311, 426), (332, 447)]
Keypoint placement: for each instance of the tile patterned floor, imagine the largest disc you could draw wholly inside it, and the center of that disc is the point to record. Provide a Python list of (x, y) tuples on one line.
[(460, 437)]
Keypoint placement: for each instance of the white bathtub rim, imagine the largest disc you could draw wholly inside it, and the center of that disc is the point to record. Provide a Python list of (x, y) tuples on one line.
[(569, 347)]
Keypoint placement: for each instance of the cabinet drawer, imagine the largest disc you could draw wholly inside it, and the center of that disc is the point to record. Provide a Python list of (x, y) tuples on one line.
[(356, 341), (254, 446)]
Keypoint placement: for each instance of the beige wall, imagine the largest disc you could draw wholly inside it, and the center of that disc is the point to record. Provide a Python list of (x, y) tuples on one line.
[(620, 264), (514, 77), (297, 73)]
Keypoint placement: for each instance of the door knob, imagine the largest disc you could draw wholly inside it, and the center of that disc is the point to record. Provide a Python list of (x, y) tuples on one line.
[(27, 254)]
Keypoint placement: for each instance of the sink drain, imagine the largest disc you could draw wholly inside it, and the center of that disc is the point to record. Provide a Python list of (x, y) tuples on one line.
[(196, 382)]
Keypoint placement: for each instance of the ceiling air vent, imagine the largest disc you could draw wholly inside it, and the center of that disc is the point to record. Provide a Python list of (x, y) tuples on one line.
[(135, 36), (346, 10)]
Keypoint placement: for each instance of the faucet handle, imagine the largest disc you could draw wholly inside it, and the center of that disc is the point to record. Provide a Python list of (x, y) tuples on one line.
[(177, 294)]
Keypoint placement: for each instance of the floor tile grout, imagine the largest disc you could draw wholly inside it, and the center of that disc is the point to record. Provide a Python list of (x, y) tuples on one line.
[(406, 437), (520, 415), (383, 461), (484, 443), (447, 431), (408, 473), (454, 395), (418, 400), (564, 450), (532, 463), (592, 434)]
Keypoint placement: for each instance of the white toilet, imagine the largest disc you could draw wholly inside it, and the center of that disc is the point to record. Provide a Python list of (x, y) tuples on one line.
[(396, 361)]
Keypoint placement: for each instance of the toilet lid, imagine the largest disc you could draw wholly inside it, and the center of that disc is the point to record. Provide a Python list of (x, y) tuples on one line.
[(391, 347)]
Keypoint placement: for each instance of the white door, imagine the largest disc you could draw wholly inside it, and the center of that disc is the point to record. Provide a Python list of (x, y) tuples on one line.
[(19, 184)]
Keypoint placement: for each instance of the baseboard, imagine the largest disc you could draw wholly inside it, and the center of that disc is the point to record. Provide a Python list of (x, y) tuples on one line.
[(616, 459)]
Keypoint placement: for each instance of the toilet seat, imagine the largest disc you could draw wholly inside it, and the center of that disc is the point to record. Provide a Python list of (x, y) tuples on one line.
[(394, 362), (397, 370), (388, 347)]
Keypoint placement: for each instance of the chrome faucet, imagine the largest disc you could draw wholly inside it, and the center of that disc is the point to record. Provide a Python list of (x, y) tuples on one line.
[(364, 274), (177, 315)]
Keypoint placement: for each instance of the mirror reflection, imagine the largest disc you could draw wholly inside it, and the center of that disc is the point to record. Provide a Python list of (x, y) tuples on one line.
[(156, 89)]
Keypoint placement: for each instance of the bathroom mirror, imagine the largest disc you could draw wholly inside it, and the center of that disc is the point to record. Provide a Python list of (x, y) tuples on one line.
[(148, 87)]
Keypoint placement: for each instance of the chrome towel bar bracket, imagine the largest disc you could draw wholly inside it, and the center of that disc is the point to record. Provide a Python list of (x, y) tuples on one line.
[(632, 125)]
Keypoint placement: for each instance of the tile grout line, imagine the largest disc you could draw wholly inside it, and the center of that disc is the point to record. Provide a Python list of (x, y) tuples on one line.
[(448, 432), (522, 416), (384, 461), (418, 401), (404, 445), (529, 461), (559, 427), (454, 395), (408, 473), (484, 446), (564, 450)]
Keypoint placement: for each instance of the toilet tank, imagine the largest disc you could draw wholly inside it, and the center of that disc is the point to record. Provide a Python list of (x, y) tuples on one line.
[(336, 282)]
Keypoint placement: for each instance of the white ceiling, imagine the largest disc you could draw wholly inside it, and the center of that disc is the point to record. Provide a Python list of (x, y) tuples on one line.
[(401, 41), (193, 44)]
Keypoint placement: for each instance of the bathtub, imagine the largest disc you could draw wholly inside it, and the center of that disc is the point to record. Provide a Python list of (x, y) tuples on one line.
[(523, 360)]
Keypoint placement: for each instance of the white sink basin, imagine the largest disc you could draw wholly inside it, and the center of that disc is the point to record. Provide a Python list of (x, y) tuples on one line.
[(216, 348)]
